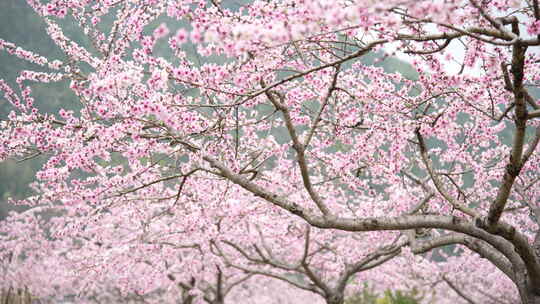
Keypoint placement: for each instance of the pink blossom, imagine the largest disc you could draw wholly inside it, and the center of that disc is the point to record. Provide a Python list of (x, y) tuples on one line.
[(161, 31), (181, 36), (534, 28), (291, 151)]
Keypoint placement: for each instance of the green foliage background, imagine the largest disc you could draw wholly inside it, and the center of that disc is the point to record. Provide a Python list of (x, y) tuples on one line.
[(20, 25)]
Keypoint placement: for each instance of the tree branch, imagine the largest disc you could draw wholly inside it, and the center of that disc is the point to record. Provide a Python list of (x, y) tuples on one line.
[(458, 291), (323, 106), (300, 152), (511, 242), (515, 164), (438, 183), (475, 245)]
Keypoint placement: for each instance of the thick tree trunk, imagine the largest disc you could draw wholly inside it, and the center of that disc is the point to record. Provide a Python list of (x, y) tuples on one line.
[(532, 299), (335, 299), (12, 296)]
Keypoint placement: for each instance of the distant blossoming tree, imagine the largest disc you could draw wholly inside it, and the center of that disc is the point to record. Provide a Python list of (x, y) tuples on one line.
[(217, 143)]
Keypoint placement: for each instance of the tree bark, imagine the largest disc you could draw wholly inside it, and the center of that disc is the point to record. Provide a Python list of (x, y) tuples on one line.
[(335, 298), (12, 296)]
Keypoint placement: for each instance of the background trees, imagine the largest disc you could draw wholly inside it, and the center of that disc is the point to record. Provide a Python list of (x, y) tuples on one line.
[(197, 124)]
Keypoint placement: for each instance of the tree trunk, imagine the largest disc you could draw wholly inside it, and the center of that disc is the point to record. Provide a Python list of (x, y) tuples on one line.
[(335, 299), (531, 298), (12, 296)]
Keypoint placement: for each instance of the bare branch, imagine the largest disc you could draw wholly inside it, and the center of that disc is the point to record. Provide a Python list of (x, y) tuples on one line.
[(475, 245), (532, 147), (438, 183), (515, 163), (458, 291), (323, 106), (300, 152), (496, 23), (533, 114)]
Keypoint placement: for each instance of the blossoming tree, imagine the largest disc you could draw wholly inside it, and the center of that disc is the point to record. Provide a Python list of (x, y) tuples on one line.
[(265, 111)]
